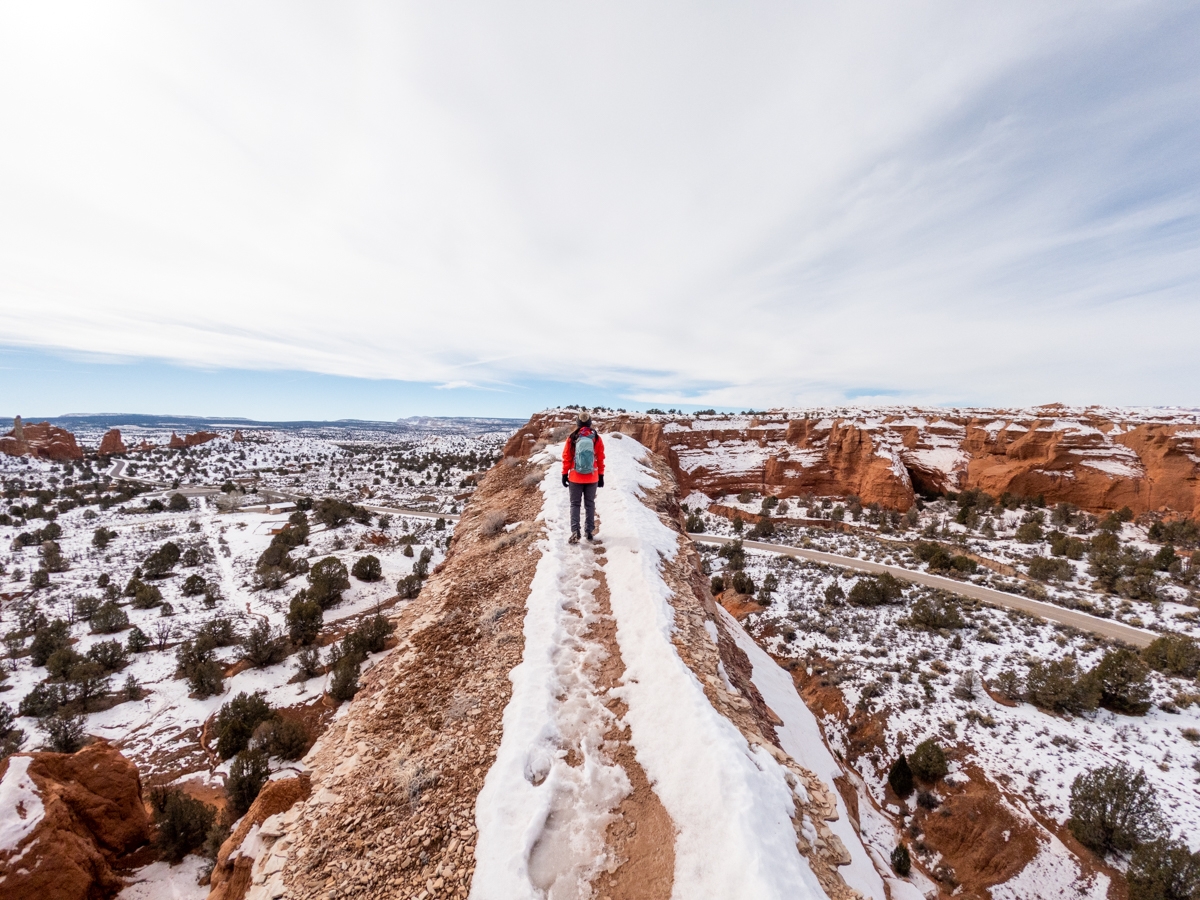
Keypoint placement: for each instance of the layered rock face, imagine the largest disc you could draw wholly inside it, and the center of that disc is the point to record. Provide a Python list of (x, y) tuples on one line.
[(1097, 459), (111, 443), (66, 818), (43, 441)]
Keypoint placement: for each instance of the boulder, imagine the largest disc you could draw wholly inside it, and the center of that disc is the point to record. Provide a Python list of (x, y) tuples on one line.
[(65, 819), (111, 443), (42, 441), (231, 875)]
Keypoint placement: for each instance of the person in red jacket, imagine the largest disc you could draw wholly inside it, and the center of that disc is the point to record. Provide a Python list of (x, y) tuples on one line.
[(583, 472)]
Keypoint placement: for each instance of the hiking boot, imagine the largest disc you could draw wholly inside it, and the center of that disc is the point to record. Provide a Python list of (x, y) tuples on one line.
[(592, 538), (574, 538)]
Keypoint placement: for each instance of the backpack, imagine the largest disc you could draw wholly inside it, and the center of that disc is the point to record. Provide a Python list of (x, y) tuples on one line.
[(585, 454)]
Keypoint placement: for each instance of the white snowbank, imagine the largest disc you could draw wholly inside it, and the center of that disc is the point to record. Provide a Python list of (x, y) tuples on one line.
[(800, 736), (731, 805), (1053, 874), (542, 822)]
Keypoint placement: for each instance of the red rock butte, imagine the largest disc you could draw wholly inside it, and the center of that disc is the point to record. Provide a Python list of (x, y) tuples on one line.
[(111, 444), (41, 441), (93, 814), (1098, 459), (192, 440)]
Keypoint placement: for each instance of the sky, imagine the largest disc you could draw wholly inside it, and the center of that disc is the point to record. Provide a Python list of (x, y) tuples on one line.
[(372, 210)]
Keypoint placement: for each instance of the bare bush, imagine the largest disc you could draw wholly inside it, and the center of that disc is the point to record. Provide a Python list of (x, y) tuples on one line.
[(491, 524)]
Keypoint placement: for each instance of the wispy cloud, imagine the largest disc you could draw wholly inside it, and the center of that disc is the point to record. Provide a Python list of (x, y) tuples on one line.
[(735, 203)]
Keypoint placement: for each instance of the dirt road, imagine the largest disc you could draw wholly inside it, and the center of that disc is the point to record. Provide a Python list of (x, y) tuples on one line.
[(1136, 637)]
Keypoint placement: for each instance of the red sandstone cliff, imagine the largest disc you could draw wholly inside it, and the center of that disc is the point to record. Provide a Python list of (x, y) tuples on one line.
[(43, 441), (1098, 459)]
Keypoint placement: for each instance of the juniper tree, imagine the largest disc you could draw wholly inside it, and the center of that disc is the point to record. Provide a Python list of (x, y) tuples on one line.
[(1114, 809)]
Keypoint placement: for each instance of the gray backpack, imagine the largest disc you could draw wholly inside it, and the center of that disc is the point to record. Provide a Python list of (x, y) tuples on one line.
[(585, 454)]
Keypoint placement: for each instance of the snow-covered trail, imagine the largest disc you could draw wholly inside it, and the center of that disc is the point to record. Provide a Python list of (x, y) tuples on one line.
[(547, 801), (730, 804)]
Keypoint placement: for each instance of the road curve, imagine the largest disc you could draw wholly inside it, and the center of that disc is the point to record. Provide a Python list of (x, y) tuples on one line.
[(1136, 637)]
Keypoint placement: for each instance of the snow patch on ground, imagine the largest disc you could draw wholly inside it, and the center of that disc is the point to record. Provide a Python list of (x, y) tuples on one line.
[(1052, 875), (161, 881), (542, 821), (20, 805), (730, 803)]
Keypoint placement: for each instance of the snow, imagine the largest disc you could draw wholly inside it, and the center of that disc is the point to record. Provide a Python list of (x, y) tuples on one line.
[(730, 803), (159, 731), (20, 805), (938, 459), (1052, 875), (162, 881), (1114, 467), (729, 458), (541, 821), (800, 736)]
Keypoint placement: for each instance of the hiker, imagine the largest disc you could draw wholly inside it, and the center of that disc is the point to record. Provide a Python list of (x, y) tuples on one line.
[(583, 472)]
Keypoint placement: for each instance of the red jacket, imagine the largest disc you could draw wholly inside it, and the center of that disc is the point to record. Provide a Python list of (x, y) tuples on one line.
[(569, 457)]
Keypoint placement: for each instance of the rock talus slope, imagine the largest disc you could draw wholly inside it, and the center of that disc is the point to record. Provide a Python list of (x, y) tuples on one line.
[(562, 721), (1098, 459)]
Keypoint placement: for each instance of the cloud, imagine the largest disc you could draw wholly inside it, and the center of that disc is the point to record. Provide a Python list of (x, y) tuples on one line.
[(770, 203)]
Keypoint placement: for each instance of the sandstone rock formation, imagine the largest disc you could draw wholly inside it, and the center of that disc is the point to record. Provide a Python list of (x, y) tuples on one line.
[(1098, 459), (111, 443), (256, 833), (71, 816), (195, 439), (41, 441)]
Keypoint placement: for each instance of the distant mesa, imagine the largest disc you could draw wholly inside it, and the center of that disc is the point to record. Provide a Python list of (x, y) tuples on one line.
[(41, 441), (111, 444), (195, 439)]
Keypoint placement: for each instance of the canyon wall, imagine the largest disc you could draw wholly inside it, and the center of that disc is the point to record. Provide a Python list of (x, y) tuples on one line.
[(1098, 459)]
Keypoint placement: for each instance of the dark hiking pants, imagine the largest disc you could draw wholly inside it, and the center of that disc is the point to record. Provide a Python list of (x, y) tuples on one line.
[(586, 493)]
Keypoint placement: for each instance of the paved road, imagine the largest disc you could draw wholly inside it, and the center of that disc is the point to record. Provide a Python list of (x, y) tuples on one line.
[(1137, 637)]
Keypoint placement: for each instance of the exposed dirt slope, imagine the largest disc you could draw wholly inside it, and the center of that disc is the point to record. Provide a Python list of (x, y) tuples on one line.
[(394, 780)]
